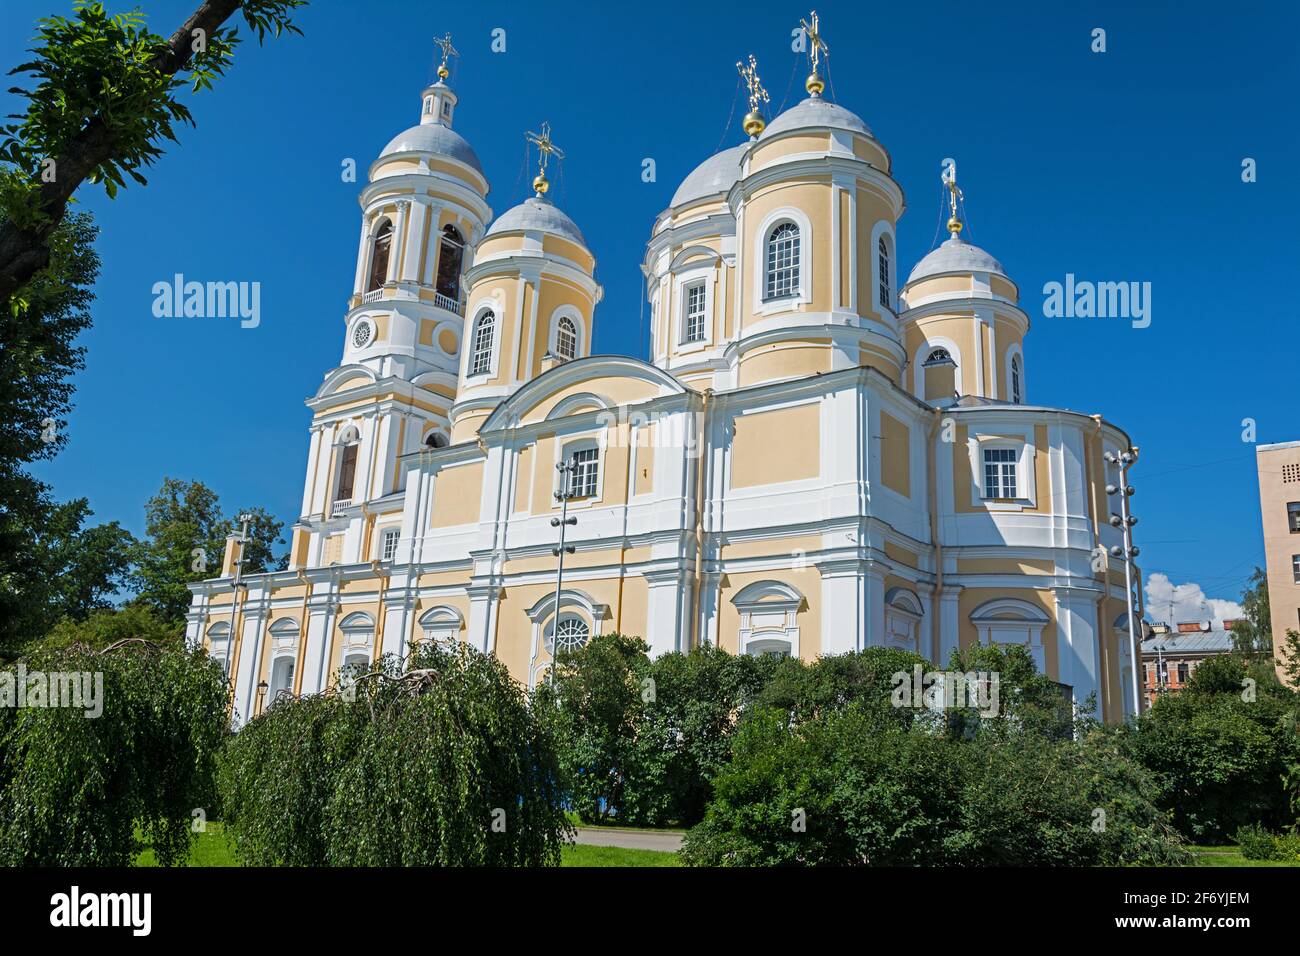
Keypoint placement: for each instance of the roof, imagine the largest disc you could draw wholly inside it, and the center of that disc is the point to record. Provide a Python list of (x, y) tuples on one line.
[(955, 255), (434, 138), (715, 175), (816, 111), (537, 215), (1217, 640)]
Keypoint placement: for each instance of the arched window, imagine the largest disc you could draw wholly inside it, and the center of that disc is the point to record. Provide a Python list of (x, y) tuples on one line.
[(882, 255), (481, 359), (938, 355), (566, 338), (451, 252), (435, 440), (782, 262), (570, 635), (769, 618), (1015, 379), (281, 678), (347, 469), (379, 256)]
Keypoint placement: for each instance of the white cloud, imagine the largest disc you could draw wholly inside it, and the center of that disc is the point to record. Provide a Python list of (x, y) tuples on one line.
[(1189, 602)]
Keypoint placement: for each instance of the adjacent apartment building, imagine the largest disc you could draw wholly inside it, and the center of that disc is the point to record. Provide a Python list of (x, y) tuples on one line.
[(1279, 505)]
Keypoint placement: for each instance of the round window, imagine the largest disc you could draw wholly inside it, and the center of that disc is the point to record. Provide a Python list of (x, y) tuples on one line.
[(362, 333)]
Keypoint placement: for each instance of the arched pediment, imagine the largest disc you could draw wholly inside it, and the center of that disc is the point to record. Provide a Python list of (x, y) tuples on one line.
[(768, 593), (1009, 609), (611, 379), (441, 616), (693, 254), (349, 375)]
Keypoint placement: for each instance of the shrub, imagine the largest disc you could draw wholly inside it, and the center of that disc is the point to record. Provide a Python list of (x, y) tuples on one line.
[(1219, 760), (74, 790), (444, 765), (1256, 843), (850, 787)]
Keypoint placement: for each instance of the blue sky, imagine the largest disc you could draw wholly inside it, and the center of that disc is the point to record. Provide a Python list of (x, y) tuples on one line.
[(1122, 166)]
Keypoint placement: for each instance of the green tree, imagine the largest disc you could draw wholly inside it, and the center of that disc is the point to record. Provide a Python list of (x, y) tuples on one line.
[(74, 791), (185, 540), (1291, 658), (1252, 635), (443, 765), (102, 103)]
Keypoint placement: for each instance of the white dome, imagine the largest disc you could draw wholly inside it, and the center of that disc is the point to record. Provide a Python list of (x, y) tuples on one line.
[(955, 255), (816, 111), (714, 176), (436, 139), (537, 215)]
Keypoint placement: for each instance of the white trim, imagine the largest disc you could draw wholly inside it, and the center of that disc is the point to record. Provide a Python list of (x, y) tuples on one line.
[(884, 227), (580, 332), (769, 617), (1015, 352), (1004, 620), (923, 353), (803, 295)]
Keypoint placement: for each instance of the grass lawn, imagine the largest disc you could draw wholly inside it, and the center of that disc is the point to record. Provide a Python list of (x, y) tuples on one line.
[(1230, 856), (211, 850)]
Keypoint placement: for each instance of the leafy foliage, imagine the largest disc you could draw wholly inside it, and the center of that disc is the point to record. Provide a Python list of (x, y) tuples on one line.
[(1219, 759), (102, 103), (74, 790), (442, 765), (850, 787), (185, 541)]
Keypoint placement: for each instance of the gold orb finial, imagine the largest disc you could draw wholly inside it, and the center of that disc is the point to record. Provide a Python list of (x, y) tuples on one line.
[(540, 185), (954, 226), (754, 122), (816, 50)]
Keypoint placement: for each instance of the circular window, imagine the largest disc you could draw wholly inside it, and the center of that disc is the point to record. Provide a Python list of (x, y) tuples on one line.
[(362, 333), (570, 635)]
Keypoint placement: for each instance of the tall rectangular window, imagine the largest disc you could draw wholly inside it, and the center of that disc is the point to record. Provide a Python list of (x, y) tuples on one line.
[(391, 536), (1293, 516), (586, 469), (695, 301), (1000, 473), (347, 473), (1295, 568)]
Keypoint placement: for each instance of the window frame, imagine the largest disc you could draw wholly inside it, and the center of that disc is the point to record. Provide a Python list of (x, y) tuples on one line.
[(393, 534), (566, 447), (802, 295), (884, 288), (376, 234), (1293, 516), (1006, 455), (1004, 432), (472, 354), (450, 234)]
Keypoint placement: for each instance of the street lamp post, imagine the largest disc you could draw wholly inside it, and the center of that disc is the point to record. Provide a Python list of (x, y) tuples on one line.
[(566, 469), (1125, 522)]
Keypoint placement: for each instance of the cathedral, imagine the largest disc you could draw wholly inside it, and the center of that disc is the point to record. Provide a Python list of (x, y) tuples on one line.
[(823, 453)]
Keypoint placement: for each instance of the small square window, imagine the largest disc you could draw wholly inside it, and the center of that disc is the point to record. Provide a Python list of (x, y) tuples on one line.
[(390, 540), (586, 471), (1000, 473)]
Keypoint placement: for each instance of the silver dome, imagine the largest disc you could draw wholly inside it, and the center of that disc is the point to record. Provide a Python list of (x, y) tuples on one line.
[(537, 215), (715, 175), (434, 138), (955, 255), (816, 111)]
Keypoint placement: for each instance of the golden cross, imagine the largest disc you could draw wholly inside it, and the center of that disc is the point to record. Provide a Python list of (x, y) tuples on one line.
[(816, 45), (545, 146), (749, 74), (954, 195), (444, 44)]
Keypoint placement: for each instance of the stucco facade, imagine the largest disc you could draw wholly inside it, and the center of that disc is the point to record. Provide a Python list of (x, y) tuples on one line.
[(817, 458)]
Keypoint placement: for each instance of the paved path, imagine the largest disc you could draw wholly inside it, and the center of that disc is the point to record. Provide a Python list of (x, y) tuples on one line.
[(664, 841)]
